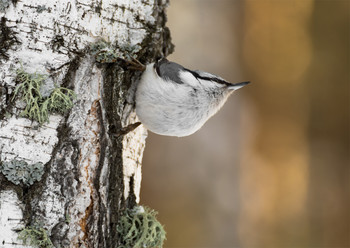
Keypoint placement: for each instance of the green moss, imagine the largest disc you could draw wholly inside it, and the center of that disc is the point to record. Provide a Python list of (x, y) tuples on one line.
[(60, 100), (20, 172), (29, 89), (36, 236), (38, 107), (103, 52), (139, 228)]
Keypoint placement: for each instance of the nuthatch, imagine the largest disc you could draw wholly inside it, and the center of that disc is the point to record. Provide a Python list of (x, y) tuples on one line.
[(175, 101)]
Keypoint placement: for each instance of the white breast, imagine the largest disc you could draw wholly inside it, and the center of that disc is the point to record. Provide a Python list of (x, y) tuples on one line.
[(169, 108)]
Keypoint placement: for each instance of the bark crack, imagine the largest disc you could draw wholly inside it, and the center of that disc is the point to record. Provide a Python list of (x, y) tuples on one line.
[(91, 173)]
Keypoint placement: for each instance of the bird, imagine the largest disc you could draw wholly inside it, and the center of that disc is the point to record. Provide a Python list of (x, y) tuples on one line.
[(172, 100)]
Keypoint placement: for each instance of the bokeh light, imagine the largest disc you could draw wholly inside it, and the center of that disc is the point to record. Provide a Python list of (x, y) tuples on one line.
[(271, 169)]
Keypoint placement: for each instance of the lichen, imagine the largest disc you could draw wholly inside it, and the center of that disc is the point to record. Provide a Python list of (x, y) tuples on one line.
[(139, 228), (20, 172), (41, 8), (36, 236), (29, 88), (4, 4), (105, 53), (38, 107), (60, 100)]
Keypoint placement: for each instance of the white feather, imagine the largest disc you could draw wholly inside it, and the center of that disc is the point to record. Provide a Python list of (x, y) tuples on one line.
[(177, 109)]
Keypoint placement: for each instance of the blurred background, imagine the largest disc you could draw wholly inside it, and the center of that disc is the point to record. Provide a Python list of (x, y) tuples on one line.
[(271, 169)]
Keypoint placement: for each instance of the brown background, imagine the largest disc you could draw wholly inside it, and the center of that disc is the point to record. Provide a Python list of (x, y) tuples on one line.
[(271, 169)]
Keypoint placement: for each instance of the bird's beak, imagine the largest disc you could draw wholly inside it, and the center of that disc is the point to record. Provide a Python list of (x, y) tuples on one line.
[(238, 85)]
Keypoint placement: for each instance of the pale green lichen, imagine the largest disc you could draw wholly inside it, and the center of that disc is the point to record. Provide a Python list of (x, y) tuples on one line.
[(37, 106), (36, 236), (139, 228), (20, 172), (60, 100), (105, 53), (41, 8), (4, 4), (130, 50), (29, 89)]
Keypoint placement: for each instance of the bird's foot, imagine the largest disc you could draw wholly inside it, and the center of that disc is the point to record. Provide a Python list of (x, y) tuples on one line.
[(134, 64), (129, 128)]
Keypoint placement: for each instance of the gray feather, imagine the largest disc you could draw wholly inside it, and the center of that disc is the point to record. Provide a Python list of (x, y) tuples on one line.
[(169, 70)]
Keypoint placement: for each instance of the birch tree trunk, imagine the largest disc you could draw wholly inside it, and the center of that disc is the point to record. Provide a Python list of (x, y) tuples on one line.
[(91, 169)]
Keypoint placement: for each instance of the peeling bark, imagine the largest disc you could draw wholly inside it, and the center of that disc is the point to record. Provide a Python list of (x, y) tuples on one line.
[(91, 172)]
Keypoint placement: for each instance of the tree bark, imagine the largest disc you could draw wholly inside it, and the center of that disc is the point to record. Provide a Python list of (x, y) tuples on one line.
[(92, 170)]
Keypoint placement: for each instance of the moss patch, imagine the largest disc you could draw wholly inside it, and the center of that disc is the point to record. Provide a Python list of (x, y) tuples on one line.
[(105, 53), (139, 228), (36, 236), (20, 172), (39, 107)]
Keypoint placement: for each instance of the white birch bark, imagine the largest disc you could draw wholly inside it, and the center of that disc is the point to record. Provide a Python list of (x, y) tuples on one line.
[(91, 172)]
